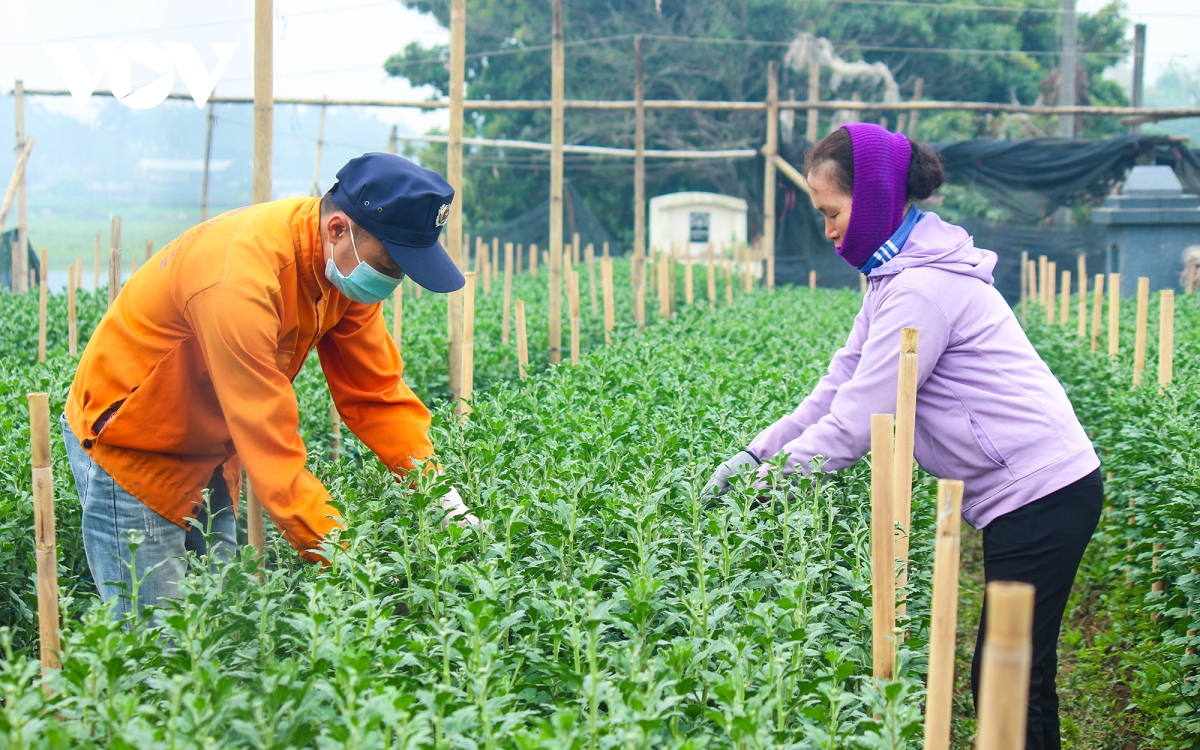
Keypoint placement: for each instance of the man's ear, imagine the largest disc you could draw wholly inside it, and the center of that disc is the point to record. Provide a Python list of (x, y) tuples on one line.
[(335, 224)]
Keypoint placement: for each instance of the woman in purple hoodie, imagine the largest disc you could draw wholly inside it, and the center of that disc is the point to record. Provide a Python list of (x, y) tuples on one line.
[(989, 411)]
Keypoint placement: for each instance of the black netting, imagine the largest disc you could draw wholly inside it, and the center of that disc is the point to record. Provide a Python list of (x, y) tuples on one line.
[(7, 240), (533, 227)]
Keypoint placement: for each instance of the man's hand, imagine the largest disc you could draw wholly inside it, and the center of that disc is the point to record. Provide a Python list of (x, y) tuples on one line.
[(458, 510), (718, 485)]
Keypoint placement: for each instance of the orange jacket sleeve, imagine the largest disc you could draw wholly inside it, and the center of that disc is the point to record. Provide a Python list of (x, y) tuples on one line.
[(364, 372), (238, 331)]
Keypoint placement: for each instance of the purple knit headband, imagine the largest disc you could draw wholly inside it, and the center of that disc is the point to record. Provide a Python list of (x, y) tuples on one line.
[(881, 160)]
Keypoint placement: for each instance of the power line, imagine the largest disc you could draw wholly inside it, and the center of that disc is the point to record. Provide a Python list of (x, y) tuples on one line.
[(986, 8)]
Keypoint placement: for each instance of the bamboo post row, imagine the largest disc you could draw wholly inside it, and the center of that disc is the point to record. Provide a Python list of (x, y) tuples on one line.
[(1065, 297), (335, 433), (1081, 329), (522, 345), (72, 326), (712, 276), (1033, 282), (1049, 292), (573, 309), (508, 279), (1139, 334), (607, 282), (688, 291), (467, 376), (556, 182), (1114, 314), (1097, 312), (943, 624), (1004, 676), (114, 261), (1166, 337), (590, 256), (42, 300), (883, 561), (43, 530), (1043, 261), (493, 265), (906, 419), (455, 243)]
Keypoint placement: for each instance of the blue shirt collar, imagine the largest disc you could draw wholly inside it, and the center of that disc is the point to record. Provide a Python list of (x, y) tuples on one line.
[(891, 248)]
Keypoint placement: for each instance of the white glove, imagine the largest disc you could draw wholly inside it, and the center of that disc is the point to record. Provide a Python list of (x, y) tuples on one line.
[(718, 485), (458, 510)]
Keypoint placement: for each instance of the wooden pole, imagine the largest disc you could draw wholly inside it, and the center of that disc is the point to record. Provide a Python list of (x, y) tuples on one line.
[(729, 281), (1024, 290), (1081, 270), (606, 254), (468, 346), (688, 283), (149, 249), (96, 267), (316, 188), (575, 256), (1043, 262), (1166, 337), (335, 433), (455, 243), (508, 278), (814, 95), (21, 271), (42, 301), (114, 261), (1050, 294), (556, 181), (769, 152), (770, 274), (664, 279), (493, 265), (533, 261), (607, 282), (72, 330), (398, 318), (812, 278), (264, 100), (522, 342), (1097, 314), (1004, 677), (1033, 282), (573, 307), (1139, 339), (208, 131), (1065, 299), (14, 182), (906, 421), (943, 621), (712, 276), (1114, 314), (255, 532), (45, 546), (883, 561), (393, 141), (482, 262), (520, 262), (914, 114), (639, 183), (132, 265), (590, 255)]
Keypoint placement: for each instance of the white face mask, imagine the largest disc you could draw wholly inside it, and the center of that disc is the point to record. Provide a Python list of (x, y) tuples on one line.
[(364, 285)]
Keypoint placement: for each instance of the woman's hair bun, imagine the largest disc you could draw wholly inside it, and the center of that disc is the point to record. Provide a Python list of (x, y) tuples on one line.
[(924, 172)]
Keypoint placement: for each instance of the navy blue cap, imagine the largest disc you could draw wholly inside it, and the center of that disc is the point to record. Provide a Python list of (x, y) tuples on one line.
[(405, 206)]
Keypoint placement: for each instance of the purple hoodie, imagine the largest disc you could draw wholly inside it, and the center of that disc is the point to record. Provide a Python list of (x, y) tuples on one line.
[(989, 411)]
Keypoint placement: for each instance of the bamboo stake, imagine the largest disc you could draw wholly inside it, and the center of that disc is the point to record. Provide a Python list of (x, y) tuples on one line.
[(132, 265), (609, 313), (520, 257), (664, 301), (335, 433), (316, 188), (96, 268), (1024, 299), (522, 345), (671, 267), (20, 271), (688, 283), (712, 276), (1114, 314), (771, 274), (1082, 327), (149, 249), (573, 306), (1049, 294), (606, 254), (589, 254), (883, 561), (1004, 677), (814, 95), (1043, 263), (467, 378), (1033, 282), (458, 244), (747, 278), (508, 278), (1166, 337), (812, 278), (943, 624), (1065, 300), (14, 182), (1097, 313), (729, 281), (639, 291), (114, 262), (769, 151), (255, 533), (72, 329), (264, 99), (575, 259), (906, 419), (1139, 337), (398, 318), (493, 263), (533, 258), (557, 60), (43, 531), (639, 183), (208, 131), (42, 300)]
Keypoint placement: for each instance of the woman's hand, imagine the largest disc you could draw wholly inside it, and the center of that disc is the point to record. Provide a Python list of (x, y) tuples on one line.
[(718, 485)]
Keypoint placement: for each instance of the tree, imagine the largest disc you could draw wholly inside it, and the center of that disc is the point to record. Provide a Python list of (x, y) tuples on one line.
[(717, 50)]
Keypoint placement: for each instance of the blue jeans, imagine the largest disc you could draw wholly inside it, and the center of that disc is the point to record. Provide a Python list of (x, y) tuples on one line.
[(110, 513)]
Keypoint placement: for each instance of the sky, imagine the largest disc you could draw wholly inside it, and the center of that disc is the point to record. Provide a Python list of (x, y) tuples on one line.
[(1172, 31)]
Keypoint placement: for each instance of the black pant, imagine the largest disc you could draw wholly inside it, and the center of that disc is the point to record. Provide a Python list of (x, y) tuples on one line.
[(1041, 543)]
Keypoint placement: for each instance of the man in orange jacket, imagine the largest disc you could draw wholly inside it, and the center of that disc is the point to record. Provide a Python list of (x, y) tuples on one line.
[(188, 377)]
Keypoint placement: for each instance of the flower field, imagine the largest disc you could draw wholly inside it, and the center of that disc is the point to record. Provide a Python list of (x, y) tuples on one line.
[(600, 605)]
